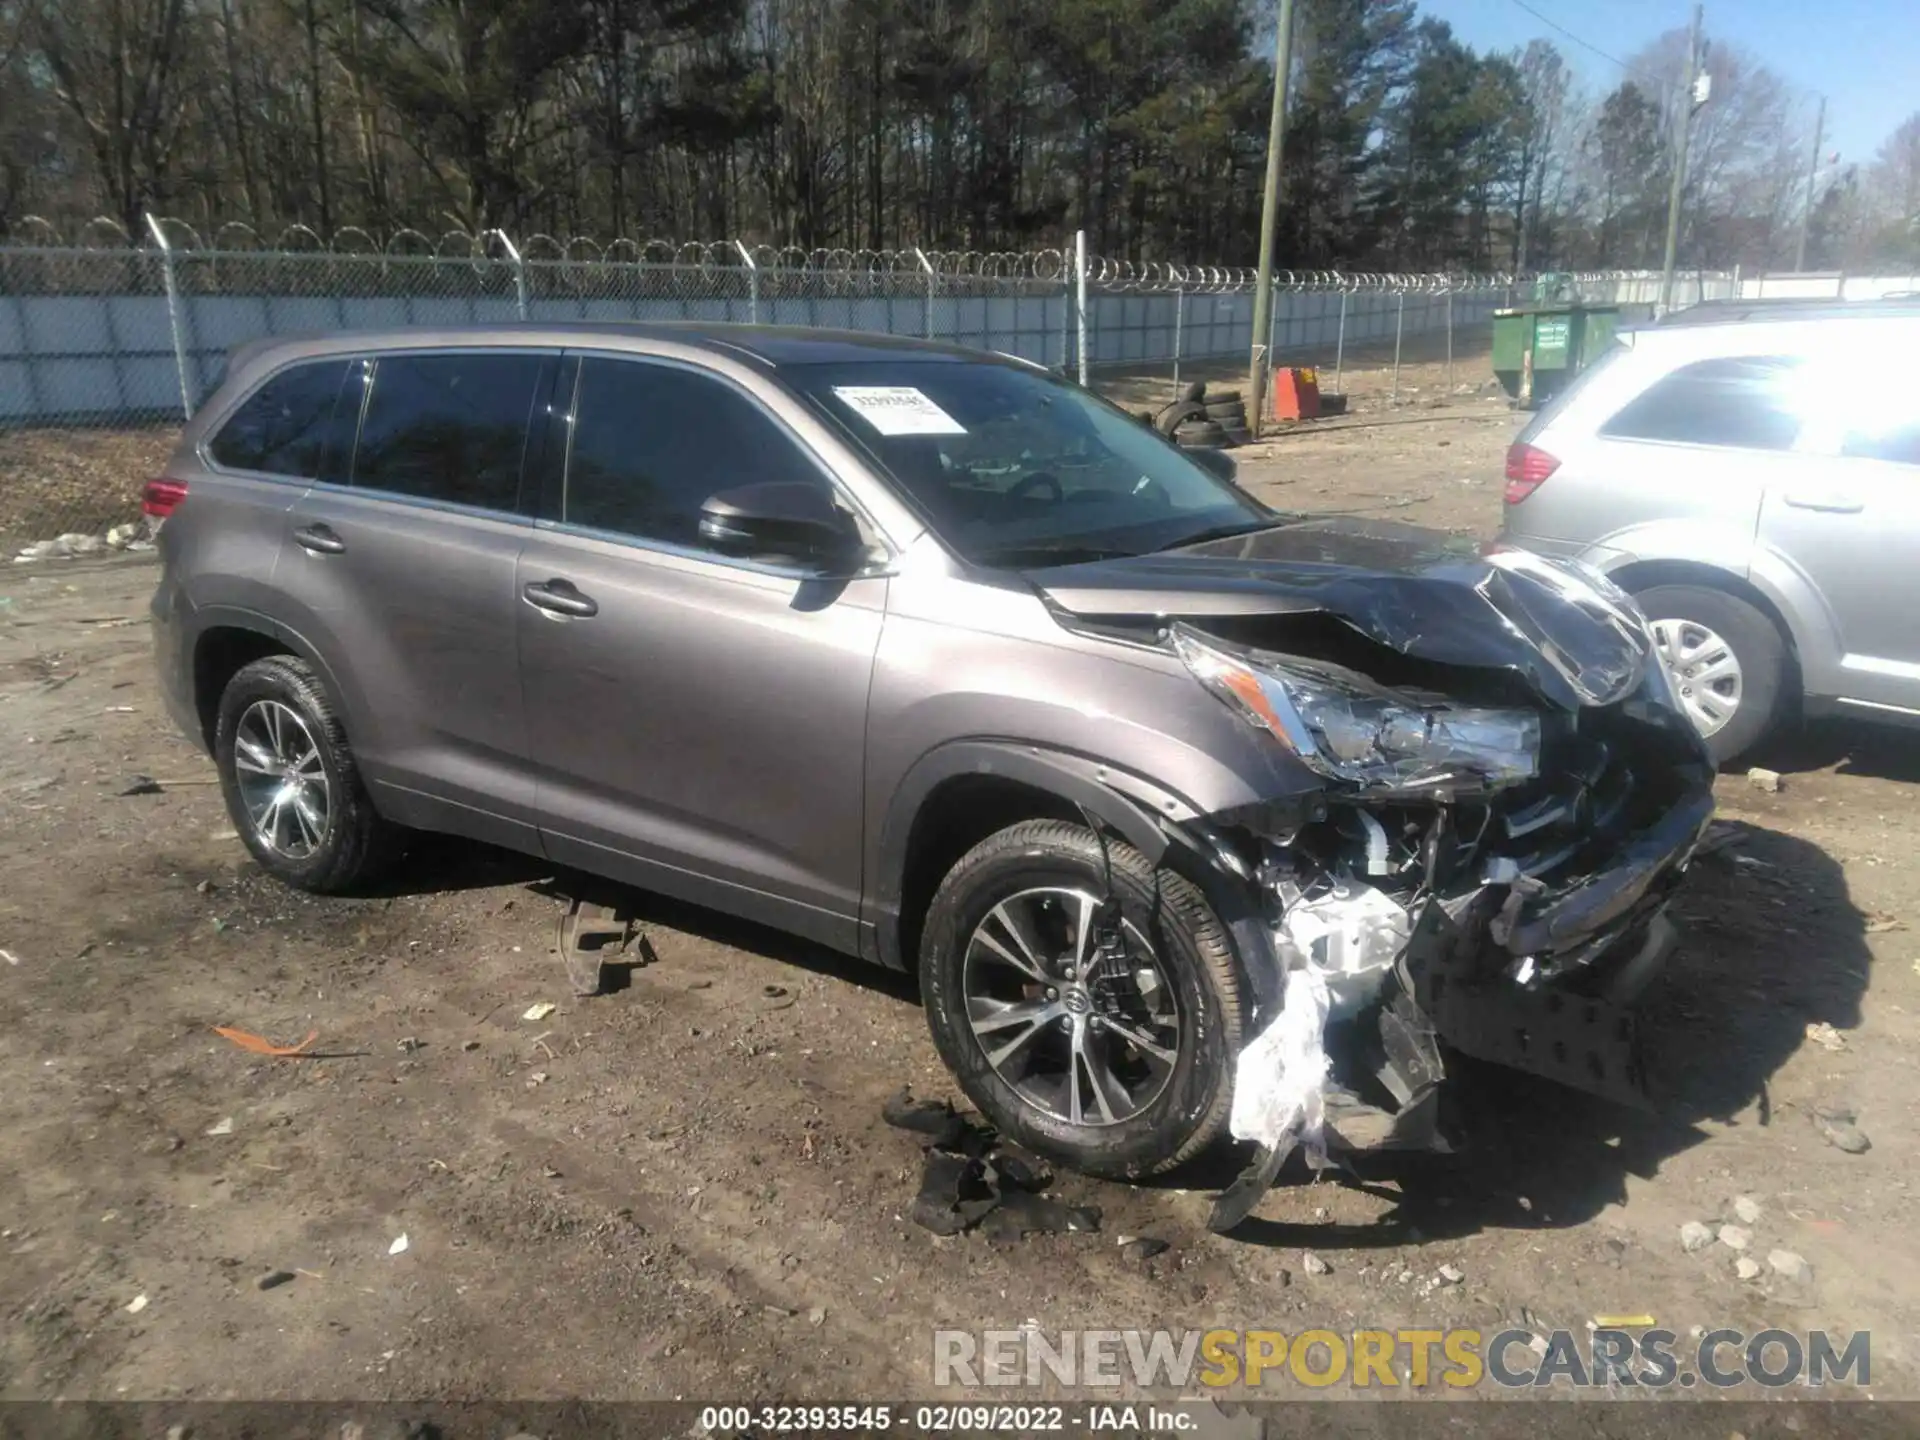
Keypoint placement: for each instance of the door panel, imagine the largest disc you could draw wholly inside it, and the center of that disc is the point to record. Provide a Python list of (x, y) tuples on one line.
[(414, 614), (706, 719), (1852, 526), (697, 722), (402, 581), (1848, 517)]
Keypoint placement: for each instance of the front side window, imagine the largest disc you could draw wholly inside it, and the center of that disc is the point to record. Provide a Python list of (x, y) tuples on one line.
[(1012, 466), (448, 427), (1744, 403), (651, 443), (284, 427)]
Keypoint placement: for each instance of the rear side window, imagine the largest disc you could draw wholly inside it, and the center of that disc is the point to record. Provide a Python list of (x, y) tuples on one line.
[(652, 442), (1557, 404), (448, 427), (1745, 403), (284, 426)]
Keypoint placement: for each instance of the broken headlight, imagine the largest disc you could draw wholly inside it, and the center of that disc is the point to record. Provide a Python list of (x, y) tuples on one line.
[(1346, 728)]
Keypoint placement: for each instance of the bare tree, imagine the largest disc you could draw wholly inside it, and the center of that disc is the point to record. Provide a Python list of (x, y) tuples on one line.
[(114, 65)]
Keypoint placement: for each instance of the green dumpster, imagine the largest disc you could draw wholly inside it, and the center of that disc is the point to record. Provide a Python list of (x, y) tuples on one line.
[(1539, 348)]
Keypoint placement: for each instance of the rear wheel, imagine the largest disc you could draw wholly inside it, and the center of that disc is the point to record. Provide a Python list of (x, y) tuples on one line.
[(1727, 661), (290, 781), (1116, 1063)]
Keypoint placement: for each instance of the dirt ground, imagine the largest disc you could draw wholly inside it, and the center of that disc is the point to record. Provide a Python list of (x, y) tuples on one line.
[(684, 1188)]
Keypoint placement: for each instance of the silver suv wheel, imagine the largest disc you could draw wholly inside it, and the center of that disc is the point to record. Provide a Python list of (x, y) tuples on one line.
[(1088, 1039), (283, 783), (1705, 671)]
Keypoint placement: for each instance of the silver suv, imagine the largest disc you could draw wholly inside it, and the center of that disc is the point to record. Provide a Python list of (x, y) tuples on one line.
[(1755, 484), (937, 659)]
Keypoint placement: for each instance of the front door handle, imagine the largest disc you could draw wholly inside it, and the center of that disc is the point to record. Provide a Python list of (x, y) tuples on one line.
[(319, 539), (1827, 501), (558, 597)]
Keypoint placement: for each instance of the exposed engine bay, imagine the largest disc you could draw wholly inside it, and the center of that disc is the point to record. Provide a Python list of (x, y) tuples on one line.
[(1498, 795)]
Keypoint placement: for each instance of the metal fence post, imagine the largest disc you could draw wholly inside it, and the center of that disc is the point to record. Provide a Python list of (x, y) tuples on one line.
[(175, 320), (927, 266), (1340, 346), (753, 283), (1273, 324), (1399, 324), (1179, 314), (1449, 337), (1080, 297), (519, 274)]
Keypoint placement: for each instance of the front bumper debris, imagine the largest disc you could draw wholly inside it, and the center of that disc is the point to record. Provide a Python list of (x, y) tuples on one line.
[(1516, 971)]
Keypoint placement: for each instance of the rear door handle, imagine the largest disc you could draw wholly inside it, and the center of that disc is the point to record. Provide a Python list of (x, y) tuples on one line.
[(558, 597), (319, 539), (1832, 504)]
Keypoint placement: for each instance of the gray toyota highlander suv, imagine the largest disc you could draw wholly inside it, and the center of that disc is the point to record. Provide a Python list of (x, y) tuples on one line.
[(937, 659)]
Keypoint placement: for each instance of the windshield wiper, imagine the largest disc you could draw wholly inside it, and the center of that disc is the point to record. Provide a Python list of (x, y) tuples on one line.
[(1058, 552), (1221, 532)]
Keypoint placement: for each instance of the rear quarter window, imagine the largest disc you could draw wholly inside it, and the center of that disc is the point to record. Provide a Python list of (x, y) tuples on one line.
[(284, 427), (1743, 402), (1557, 405)]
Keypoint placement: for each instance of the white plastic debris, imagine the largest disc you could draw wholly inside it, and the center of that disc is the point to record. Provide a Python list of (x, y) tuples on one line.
[(1351, 936), (136, 1305), (540, 1011), (221, 1127), (398, 1247), (1278, 1081)]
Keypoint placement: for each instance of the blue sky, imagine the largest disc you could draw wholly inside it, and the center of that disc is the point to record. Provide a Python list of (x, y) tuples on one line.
[(1863, 55)]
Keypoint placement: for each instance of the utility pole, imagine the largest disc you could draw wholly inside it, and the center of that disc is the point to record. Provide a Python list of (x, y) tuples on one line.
[(1813, 169), (1689, 87), (1269, 221)]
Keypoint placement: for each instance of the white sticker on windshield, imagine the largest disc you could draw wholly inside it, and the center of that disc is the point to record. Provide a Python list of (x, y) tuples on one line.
[(898, 410)]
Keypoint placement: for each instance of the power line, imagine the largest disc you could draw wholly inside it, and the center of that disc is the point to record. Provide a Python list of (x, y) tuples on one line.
[(1553, 24)]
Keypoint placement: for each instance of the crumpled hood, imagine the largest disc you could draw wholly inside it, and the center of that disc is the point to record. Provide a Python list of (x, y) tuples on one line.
[(1576, 638)]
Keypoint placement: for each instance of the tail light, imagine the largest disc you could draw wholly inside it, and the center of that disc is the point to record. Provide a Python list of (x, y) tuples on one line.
[(162, 497), (1528, 467)]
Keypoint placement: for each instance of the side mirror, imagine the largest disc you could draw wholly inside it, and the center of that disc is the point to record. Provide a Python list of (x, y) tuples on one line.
[(783, 519), (1216, 462)]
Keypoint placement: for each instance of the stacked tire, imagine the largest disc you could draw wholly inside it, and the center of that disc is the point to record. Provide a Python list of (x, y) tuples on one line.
[(1202, 421)]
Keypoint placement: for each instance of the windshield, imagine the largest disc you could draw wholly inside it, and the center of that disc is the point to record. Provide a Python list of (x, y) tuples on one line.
[(1013, 466)]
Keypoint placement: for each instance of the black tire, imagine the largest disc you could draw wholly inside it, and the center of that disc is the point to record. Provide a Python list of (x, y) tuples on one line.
[(1203, 430), (1173, 416), (1222, 397), (1755, 643), (1191, 947), (1232, 410), (355, 843), (1195, 391), (1239, 435)]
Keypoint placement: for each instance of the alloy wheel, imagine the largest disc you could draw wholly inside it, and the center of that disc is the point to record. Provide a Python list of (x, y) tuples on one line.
[(1086, 1032), (283, 782)]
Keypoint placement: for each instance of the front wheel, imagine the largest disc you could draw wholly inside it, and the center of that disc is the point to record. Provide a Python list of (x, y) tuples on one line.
[(1115, 1059), (1727, 661)]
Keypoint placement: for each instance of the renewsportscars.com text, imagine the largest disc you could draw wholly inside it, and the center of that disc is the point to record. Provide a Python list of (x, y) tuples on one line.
[(1602, 1358)]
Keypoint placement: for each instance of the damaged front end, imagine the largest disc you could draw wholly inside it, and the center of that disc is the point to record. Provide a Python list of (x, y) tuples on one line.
[(1508, 795)]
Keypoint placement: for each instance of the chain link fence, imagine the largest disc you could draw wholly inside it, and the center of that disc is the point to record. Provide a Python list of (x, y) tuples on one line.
[(108, 341)]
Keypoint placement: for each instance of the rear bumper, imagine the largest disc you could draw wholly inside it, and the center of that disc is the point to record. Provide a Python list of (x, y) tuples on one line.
[(173, 658)]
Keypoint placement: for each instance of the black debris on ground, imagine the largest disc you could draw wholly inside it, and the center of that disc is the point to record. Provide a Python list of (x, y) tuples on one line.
[(972, 1179)]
